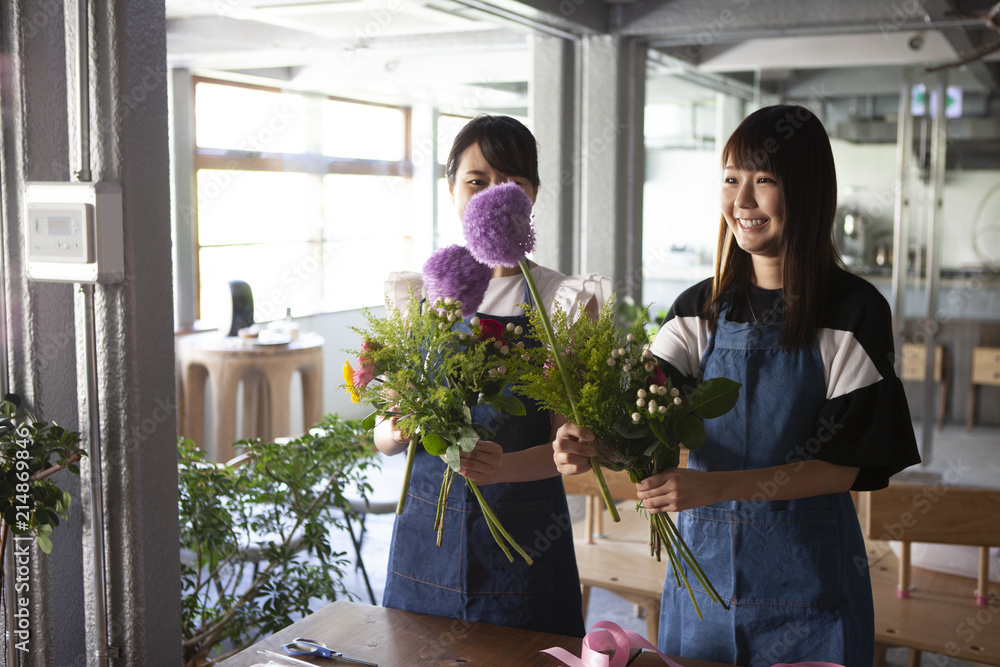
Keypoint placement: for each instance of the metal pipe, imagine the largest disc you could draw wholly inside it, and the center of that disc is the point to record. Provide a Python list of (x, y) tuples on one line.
[(939, 138), (901, 221), (737, 36), (83, 87), (96, 481)]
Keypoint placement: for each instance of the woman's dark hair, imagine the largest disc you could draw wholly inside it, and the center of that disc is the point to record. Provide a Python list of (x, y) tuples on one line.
[(789, 143), (507, 145)]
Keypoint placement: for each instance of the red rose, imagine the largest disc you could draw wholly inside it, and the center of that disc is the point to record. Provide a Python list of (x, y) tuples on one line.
[(657, 378), (491, 330)]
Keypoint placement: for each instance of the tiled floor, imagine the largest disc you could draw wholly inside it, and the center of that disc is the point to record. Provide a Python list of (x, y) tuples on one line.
[(972, 459)]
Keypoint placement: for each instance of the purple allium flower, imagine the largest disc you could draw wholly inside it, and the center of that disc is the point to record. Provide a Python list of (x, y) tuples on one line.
[(454, 272), (497, 225)]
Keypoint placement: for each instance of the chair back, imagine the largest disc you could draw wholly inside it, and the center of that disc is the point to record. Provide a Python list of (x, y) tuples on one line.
[(939, 514)]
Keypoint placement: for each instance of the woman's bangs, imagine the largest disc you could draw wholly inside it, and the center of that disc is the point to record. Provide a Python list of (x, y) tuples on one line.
[(506, 156), (749, 155)]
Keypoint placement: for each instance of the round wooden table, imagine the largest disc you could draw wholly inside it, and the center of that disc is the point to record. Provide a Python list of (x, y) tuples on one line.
[(266, 371)]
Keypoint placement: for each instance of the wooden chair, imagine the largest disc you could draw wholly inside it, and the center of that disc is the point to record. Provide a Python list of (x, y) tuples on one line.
[(985, 370), (615, 556), (915, 369), (923, 610)]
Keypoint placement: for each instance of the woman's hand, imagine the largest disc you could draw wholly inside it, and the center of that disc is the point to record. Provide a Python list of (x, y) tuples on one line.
[(389, 439), (395, 432), (482, 465), (572, 448), (677, 489)]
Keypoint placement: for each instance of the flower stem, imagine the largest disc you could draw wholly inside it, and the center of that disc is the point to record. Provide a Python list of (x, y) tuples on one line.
[(494, 522), (449, 477), (689, 557), (411, 452), (678, 567), (567, 383)]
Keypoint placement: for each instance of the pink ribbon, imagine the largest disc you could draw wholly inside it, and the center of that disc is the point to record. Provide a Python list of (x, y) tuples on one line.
[(604, 636), (608, 636)]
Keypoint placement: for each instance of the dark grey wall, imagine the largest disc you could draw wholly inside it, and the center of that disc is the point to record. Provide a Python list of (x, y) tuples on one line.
[(129, 146)]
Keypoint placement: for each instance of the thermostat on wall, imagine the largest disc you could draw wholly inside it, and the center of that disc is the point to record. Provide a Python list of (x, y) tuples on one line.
[(74, 232)]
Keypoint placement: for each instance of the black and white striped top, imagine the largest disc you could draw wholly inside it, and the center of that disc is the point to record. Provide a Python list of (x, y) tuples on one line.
[(854, 337)]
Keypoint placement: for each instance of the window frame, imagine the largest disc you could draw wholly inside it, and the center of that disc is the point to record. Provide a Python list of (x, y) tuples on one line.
[(315, 164)]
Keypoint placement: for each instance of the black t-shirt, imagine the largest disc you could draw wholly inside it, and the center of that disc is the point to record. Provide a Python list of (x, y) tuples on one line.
[(854, 336)]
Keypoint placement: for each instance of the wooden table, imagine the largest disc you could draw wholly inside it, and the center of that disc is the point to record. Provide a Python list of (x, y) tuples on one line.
[(225, 361), (940, 616), (394, 638)]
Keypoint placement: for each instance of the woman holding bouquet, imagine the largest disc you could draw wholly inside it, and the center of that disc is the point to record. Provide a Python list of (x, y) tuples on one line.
[(764, 504), (469, 577)]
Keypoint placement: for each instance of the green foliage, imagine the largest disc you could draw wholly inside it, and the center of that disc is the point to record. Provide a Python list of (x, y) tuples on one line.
[(628, 312), (427, 367), (31, 451), (277, 508), (620, 392)]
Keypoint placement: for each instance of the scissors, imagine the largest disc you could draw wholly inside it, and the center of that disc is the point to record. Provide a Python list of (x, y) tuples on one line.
[(302, 646)]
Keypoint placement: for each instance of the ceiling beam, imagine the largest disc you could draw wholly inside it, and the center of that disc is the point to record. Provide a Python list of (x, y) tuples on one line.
[(705, 22), (569, 19), (961, 40)]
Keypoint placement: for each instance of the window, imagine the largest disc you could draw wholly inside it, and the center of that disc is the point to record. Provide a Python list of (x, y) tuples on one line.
[(305, 197)]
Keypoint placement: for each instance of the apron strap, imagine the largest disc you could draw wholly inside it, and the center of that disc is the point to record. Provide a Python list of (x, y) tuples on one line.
[(526, 297)]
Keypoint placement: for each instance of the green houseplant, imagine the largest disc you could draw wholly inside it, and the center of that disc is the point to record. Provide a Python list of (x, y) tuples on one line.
[(255, 535), (31, 451)]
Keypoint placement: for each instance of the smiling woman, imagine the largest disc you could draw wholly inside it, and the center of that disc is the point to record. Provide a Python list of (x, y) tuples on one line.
[(821, 412)]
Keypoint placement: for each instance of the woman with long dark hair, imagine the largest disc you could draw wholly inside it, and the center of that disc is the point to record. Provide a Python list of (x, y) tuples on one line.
[(764, 504), (468, 577)]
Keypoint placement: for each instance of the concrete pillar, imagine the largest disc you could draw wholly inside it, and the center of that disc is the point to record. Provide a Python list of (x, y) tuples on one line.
[(134, 321), (425, 174), (554, 115), (40, 325), (729, 113), (185, 196), (611, 160)]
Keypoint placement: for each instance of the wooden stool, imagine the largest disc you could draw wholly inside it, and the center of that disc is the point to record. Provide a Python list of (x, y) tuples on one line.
[(915, 369), (921, 610), (985, 370), (228, 360)]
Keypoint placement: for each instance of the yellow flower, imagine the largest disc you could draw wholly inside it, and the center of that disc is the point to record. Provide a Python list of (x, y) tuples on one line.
[(349, 382)]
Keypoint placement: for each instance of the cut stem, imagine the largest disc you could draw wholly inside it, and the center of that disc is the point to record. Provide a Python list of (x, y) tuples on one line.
[(411, 452), (494, 522), (567, 383)]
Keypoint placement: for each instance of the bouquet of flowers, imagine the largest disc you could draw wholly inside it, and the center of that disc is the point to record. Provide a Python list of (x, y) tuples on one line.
[(497, 228), (427, 367), (621, 394)]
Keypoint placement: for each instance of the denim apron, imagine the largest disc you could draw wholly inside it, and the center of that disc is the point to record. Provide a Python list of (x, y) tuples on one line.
[(794, 572), (468, 577)]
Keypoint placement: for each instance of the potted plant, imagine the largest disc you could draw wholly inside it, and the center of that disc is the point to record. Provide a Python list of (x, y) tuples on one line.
[(255, 534), (31, 504)]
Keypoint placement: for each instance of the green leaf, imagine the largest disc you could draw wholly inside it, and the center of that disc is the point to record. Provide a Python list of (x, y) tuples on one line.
[(715, 397), (691, 432), (44, 543), (510, 405), (434, 444), (468, 439), (631, 430), (369, 422), (657, 428), (453, 457)]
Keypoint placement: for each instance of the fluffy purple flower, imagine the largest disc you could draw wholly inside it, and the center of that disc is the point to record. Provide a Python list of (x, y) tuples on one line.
[(497, 225), (454, 272)]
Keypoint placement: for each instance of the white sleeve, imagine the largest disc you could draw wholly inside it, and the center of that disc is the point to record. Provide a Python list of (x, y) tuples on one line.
[(682, 342), (398, 287), (573, 293)]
